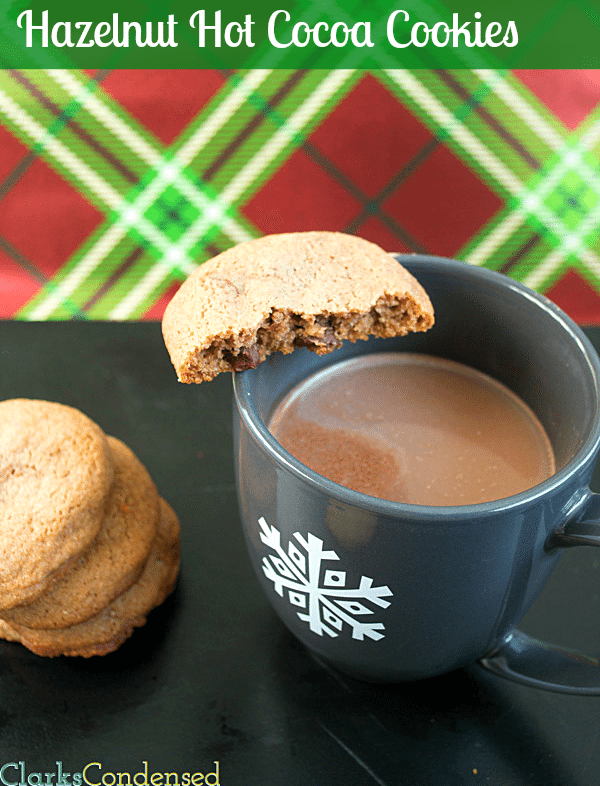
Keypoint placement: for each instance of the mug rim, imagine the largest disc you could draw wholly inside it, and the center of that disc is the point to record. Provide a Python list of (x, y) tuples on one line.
[(434, 513)]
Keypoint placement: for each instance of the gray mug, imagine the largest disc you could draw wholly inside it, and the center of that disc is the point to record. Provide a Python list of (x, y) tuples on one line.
[(386, 591)]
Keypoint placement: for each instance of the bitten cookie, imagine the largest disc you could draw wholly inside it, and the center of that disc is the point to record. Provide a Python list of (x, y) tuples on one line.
[(305, 289), (56, 470), (114, 560), (106, 631)]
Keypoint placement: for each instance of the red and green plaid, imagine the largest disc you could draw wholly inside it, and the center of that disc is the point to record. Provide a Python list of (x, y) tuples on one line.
[(114, 185)]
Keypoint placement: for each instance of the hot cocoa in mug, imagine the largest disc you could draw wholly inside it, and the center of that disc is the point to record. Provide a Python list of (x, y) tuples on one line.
[(404, 500), (414, 428)]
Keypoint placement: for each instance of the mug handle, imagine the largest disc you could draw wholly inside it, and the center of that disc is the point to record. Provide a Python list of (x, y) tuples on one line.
[(523, 659)]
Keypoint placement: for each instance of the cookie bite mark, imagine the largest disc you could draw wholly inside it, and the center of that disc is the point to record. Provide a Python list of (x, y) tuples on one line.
[(308, 289), (283, 331)]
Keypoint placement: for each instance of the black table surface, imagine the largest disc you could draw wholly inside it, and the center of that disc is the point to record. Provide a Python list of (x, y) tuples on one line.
[(214, 676)]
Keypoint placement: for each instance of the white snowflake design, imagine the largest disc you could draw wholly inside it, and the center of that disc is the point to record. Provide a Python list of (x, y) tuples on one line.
[(328, 604)]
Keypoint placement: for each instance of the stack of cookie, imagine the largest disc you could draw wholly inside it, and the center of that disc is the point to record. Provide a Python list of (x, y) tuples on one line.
[(87, 546)]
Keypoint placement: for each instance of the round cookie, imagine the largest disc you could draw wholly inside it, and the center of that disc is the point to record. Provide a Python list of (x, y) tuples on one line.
[(106, 631), (56, 470), (114, 560), (279, 292)]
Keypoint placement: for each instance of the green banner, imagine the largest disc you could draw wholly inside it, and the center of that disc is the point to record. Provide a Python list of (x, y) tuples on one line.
[(309, 34)]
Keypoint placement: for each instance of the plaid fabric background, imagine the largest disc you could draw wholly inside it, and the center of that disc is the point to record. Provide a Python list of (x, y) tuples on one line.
[(115, 185)]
